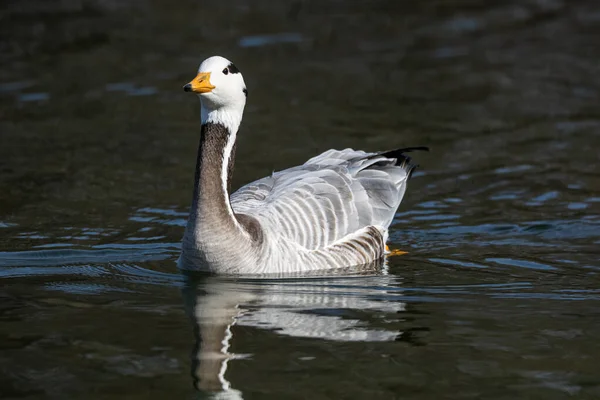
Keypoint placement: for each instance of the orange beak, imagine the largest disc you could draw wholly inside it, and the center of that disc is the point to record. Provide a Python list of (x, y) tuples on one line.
[(200, 84)]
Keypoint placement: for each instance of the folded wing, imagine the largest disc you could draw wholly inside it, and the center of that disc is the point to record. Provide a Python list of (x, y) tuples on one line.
[(329, 197)]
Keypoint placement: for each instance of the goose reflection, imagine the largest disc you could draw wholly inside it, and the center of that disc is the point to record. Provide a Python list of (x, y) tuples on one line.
[(307, 306)]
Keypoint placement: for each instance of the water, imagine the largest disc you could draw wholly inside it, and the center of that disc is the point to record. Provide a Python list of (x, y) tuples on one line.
[(497, 298)]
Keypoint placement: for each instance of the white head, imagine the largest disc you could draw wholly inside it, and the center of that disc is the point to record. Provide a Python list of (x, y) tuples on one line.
[(222, 92)]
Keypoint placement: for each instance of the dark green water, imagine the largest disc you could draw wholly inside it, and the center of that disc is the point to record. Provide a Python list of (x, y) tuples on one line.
[(498, 297)]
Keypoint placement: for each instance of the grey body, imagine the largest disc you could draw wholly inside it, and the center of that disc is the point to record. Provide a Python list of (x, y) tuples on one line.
[(331, 212)]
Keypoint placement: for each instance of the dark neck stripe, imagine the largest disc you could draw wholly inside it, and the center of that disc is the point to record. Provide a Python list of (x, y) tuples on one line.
[(209, 162), (210, 201)]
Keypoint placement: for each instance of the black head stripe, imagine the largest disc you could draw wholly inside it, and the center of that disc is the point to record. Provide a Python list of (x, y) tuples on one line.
[(233, 69), (245, 92)]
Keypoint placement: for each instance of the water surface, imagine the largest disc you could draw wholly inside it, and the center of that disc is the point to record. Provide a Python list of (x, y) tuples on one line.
[(497, 298)]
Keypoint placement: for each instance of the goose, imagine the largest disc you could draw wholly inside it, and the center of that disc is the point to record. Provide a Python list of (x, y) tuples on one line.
[(333, 211)]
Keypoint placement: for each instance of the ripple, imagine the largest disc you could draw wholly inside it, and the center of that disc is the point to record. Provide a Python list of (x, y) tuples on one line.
[(15, 86), (85, 288), (433, 204), (102, 254), (521, 263), (70, 270), (137, 274), (29, 97), (457, 263), (512, 169), (264, 40), (170, 217), (538, 200), (436, 217), (577, 206)]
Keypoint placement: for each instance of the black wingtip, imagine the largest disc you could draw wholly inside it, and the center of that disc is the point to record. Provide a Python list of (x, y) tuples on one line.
[(402, 159), (398, 153), (409, 149)]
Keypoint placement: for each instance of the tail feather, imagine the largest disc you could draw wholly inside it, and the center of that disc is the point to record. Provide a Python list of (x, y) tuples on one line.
[(402, 160), (399, 153)]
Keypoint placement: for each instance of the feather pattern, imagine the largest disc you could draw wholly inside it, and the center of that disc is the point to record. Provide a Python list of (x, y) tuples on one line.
[(332, 211)]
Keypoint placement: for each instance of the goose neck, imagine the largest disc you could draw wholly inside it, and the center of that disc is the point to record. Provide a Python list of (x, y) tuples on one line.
[(214, 167)]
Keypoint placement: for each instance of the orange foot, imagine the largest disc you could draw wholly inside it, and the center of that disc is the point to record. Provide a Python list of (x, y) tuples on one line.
[(394, 252)]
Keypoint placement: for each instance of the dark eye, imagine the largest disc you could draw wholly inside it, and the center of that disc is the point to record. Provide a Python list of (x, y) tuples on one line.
[(226, 71)]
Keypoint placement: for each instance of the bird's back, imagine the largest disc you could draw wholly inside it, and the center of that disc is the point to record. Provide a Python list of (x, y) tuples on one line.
[(331, 196)]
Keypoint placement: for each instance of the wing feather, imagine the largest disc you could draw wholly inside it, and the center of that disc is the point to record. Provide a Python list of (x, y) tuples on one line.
[(329, 197)]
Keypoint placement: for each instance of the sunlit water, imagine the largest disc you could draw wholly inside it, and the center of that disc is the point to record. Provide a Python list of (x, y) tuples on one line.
[(497, 298)]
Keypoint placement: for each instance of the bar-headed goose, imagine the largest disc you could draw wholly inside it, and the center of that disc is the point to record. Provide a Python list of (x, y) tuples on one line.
[(332, 211)]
